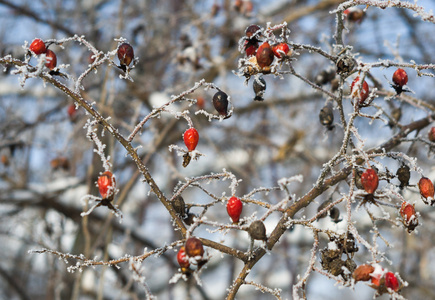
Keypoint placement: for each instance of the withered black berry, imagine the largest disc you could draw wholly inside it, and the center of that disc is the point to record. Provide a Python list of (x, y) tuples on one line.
[(345, 64), (257, 230), (325, 76), (251, 30), (403, 174), (259, 86), (326, 117), (220, 103), (179, 206)]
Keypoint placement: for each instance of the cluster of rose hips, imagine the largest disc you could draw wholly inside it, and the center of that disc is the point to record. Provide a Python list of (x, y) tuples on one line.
[(259, 52), (260, 56), (381, 280), (400, 79), (191, 136), (38, 47), (369, 181), (193, 250), (256, 230)]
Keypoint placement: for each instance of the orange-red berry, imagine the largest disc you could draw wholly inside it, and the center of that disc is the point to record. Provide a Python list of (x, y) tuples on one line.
[(51, 59), (391, 281), (280, 50), (191, 138), (426, 188), (106, 184), (38, 46), (363, 93), (234, 208), (182, 259), (370, 180), (400, 78), (409, 216)]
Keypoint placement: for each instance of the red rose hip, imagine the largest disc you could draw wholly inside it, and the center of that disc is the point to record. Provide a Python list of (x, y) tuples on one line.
[(106, 184), (426, 188), (51, 59), (182, 259), (234, 208), (409, 216), (400, 78), (363, 93), (191, 138), (38, 46), (250, 49), (125, 54), (370, 180), (281, 49), (391, 281)]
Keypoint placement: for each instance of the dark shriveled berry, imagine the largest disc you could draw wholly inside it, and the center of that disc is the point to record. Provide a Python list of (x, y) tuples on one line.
[(257, 230), (345, 64), (125, 54), (189, 219), (326, 117), (354, 14), (251, 30), (259, 86), (179, 206), (403, 174), (220, 103), (325, 76), (194, 247), (362, 273)]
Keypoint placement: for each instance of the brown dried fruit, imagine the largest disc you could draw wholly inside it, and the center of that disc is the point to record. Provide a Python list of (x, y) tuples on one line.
[(362, 272), (194, 247)]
